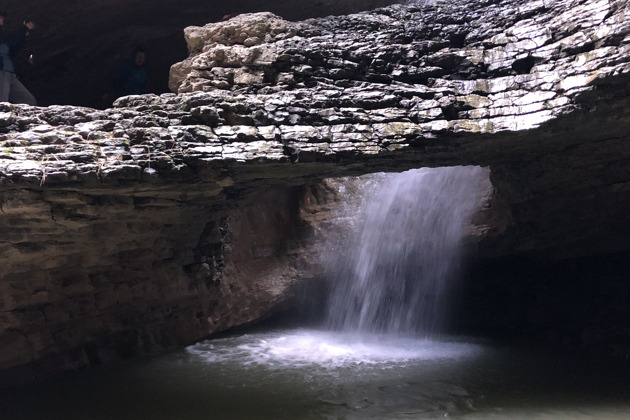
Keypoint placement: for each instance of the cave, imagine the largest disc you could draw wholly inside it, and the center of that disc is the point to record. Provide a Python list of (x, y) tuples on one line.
[(201, 209)]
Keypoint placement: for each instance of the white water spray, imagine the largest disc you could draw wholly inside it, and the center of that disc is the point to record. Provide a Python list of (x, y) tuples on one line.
[(393, 274)]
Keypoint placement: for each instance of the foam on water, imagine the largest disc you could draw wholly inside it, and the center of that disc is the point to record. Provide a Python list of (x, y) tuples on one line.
[(301, 347)]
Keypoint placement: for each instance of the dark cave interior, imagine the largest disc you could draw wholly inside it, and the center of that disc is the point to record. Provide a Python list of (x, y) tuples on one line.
[(77, 45)]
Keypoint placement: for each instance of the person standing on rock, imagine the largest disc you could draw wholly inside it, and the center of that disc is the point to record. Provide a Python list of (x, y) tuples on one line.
[(131, 77), (11, 89)]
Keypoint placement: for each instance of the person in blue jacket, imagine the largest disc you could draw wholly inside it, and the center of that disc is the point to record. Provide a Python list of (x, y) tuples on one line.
[(11, 89), (131, 77)]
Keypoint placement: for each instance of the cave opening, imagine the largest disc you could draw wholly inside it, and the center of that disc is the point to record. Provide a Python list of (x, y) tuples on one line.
[(573, 303), (293, 368)]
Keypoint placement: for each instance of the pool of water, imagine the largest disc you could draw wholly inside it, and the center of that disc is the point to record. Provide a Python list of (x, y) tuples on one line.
[(313, 374)]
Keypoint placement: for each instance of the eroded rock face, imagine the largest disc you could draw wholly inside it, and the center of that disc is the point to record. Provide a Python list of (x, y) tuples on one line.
[(94, 275), (170, 217)]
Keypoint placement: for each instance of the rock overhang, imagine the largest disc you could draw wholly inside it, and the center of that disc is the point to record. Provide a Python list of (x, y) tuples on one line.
[(319, 117), (349, 95)]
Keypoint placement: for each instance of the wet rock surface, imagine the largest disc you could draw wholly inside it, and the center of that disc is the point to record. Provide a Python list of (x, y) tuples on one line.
[(170, 217)]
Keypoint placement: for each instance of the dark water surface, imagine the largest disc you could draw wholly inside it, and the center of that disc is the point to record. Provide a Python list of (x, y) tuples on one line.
[(311, 374)]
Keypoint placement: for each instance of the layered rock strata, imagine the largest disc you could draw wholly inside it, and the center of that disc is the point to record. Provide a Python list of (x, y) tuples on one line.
[(170, 217)]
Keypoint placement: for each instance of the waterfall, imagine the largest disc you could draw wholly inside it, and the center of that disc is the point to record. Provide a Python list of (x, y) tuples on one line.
[(393, 271)]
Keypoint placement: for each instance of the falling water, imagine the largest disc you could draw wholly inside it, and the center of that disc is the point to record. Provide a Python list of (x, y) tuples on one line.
[(392, 274)]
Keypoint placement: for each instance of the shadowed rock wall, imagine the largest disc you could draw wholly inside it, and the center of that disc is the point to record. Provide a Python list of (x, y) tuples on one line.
[(97, 275)]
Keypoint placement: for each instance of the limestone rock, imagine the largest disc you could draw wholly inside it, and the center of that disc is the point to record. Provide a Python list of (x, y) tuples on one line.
[(232, 44)]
